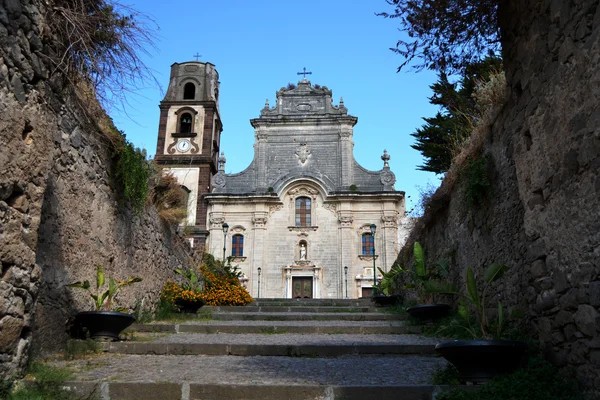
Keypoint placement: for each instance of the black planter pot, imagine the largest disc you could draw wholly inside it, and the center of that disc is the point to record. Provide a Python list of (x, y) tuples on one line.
[(478, 361), (189, 306), (104, 326), (382, 300), (429, 312)]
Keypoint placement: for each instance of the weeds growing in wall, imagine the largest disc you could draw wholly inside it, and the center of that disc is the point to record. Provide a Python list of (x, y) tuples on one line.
[(133, 172), (168, 196), (477, 182)]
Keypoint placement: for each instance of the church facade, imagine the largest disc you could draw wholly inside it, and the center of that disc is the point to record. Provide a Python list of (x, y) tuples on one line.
[(304, 219)]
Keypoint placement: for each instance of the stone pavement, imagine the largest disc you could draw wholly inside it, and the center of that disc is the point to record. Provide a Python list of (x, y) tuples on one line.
[(233, 363)]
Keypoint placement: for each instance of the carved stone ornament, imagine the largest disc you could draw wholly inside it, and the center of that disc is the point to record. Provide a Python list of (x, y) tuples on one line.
[(219, 179), (345, 220), (303, 191), (303, 263), (387, 178), (330, 207), (237, 229), (275, 208), (303, 153), (302, 228), (259, 221), (217, 222), (368, 258), (194, 149), (190, 68), (366, 228), (390, 221)]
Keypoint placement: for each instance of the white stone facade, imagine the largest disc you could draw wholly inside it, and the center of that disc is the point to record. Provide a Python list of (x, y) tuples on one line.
[(303, 150)]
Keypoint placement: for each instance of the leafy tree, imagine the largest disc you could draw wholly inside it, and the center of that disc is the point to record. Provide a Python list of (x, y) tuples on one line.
[(442, 134), (446, 35)]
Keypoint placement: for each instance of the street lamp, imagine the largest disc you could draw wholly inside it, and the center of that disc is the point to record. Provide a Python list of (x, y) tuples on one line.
[(225, 228), (373, 230), (346, 273), (259, 272)]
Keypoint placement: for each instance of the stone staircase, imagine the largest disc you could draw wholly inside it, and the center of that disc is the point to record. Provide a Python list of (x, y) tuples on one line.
[(271, 349)]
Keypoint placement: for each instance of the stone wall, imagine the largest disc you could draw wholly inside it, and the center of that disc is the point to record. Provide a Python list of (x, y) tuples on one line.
[(60, 215), (543, 218)]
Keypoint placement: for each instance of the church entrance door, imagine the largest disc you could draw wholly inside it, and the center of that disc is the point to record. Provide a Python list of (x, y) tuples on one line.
[(302, 287)]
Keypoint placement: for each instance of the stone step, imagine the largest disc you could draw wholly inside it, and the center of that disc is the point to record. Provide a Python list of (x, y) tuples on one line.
[(313, 302), (203, 391), (308, 316), (291, 345), (294, 308), (266, 327), (187, 377)]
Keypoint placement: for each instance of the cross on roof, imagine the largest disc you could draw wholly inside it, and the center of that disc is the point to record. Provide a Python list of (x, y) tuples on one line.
[(304, 73), (197, 55)]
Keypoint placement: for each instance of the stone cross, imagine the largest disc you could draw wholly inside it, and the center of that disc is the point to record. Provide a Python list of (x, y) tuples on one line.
[(197, 55), (304, 73)]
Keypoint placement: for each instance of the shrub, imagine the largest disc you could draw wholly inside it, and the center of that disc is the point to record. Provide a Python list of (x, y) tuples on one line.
[(477, 183), (168, 196), (536, 380), (133, 172), (223, 289)]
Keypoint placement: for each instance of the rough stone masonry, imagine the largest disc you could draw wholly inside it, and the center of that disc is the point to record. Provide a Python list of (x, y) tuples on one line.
[(59, 213), (543, 218)]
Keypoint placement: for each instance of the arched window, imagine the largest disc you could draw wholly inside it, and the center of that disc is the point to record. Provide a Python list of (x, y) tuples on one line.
[(237, 246), (189, 91), (303, 211), (367, 244), (185, 123)]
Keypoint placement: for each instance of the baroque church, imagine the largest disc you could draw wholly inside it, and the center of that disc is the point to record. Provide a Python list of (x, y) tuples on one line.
[(304, 219)]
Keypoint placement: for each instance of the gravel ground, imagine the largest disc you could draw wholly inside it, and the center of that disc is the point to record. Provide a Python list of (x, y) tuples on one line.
[(350, 370), (295, 339)]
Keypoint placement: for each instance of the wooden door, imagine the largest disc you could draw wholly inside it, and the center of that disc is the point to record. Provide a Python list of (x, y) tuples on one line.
[(302, 288)]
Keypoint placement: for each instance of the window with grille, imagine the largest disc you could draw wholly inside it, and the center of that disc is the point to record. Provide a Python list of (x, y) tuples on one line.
[(237, 246), (367, 244), (303, 211)]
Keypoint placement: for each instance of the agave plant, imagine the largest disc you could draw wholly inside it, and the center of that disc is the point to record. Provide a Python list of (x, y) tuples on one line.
[(191, 279), (477, 300), (103, 299), (388, 279), (428, 284)]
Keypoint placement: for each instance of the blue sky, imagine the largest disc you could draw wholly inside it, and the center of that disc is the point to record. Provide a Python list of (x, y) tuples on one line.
[(258, 47)]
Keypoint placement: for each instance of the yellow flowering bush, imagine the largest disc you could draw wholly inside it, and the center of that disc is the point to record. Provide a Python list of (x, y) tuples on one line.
[(223, 289), (173, 291), (221, 286)]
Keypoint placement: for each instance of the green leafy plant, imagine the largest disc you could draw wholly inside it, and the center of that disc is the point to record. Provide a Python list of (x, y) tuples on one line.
[(353, 188), (427, 284), (133, 172), (478, 185), (535, 380), (388, 283), (191, 279), (477, 323), (103, 300)]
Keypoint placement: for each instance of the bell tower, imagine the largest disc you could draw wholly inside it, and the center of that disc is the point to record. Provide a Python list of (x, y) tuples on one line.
[(189, 136)]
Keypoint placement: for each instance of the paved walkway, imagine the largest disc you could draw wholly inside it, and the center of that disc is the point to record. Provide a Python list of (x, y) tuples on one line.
[(372, 359)]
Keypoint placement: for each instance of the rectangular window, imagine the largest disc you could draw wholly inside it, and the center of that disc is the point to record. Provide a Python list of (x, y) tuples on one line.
[(303, 211), (367, 244), (237, 246)]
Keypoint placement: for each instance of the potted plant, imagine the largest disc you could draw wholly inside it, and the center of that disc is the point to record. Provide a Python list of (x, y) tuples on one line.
[(103, 324), (486, 355), (427, 285), (383, 291), (188, 295)]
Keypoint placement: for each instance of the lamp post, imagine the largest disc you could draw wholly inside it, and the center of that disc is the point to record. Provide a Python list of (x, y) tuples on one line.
[(346, 273), (373, 230), (225, 228), (259, 272)]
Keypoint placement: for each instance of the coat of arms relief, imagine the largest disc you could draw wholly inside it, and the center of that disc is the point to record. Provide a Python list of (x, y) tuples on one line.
[(303, 153)]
